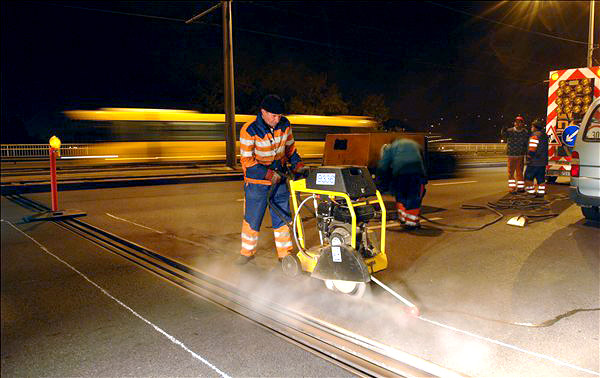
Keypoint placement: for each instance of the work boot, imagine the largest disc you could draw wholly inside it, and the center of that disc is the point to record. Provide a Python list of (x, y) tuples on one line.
[(411, 227), (243, 260)]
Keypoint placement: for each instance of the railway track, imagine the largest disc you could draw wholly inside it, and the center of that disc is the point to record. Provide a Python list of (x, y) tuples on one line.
[(357, 354)]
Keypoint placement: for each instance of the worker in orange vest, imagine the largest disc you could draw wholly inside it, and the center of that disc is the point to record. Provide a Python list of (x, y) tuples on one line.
[(266, 145)]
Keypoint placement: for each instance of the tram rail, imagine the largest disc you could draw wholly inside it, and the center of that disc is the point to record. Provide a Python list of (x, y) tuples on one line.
[(357, 354)]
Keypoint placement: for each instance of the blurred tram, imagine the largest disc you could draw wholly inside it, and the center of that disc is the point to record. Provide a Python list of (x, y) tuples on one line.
[(130, 135)]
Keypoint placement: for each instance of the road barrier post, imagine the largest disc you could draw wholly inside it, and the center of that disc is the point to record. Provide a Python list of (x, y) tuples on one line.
[(54, 151), (54, 214)]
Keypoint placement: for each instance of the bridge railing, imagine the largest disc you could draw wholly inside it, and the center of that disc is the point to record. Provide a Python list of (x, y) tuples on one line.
[(40, 151), (485, 149)]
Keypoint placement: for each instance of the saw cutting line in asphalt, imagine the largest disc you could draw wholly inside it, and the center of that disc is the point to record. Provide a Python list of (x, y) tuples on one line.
[(454, 183), (158, 329), (157, 231), (510, 346)]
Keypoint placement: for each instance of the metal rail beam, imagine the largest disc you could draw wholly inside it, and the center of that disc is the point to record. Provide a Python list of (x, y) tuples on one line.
[(357, 354)]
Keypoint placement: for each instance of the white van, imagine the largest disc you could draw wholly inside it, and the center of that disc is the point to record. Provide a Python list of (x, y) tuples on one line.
[(585, 164)]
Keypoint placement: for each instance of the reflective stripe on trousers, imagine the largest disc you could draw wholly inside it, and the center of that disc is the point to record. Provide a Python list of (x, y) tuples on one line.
[(254, 211), (409, 217), (283, 241), (515, 168), (541, 189), (249, 240), (412, 217)]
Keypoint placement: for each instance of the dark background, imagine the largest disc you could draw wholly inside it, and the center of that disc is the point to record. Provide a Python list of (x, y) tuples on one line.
[(465, 68)]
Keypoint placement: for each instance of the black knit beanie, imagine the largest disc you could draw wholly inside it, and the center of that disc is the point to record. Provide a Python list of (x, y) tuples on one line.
[(273, 104), (537, 124)]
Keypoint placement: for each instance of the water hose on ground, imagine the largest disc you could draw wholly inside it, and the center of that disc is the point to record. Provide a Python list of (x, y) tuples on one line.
[(507, 203)]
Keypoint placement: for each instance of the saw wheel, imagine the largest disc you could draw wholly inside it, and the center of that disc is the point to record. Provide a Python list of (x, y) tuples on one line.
[(351, 288)]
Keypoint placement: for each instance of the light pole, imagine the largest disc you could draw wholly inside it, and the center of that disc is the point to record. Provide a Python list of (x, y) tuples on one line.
[(591, 35), (230, 131)]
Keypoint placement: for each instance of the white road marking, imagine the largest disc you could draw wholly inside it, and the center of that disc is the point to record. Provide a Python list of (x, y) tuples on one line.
[(105, 292), (175, 341), (153, 230), (514, 347), (137, 224), (454, 183), (433, 219)]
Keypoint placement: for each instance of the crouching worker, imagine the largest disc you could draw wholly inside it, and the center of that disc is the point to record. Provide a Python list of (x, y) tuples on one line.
[(266, 144), (401, 172), (537, 159)]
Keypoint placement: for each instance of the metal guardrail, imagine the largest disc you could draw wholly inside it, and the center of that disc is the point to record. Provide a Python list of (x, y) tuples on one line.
[(30, 151), (40, 151), (469, 148)]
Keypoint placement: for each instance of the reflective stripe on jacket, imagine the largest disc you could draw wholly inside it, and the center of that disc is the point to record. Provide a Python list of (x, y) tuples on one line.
[(264, 150), (538, 149)]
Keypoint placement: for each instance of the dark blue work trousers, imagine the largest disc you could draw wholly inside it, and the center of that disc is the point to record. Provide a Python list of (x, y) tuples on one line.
[(256, 204)]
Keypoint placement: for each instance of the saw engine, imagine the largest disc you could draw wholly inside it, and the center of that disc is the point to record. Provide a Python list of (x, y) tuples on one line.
[(334, 223)]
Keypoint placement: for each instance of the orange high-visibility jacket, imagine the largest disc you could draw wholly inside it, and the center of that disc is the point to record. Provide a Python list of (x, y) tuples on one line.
[(264, 150)]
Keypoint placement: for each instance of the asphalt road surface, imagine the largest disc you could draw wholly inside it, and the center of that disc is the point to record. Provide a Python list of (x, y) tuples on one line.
[(501, 301)]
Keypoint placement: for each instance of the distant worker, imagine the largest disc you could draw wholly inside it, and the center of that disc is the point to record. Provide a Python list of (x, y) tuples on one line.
[(516, 149), (401, 172), (537, 159), (266, 144)]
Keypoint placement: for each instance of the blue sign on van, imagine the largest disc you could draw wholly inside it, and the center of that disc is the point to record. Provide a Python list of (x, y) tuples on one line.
[(570, 134)]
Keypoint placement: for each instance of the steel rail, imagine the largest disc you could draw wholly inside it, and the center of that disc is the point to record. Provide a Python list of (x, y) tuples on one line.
[(352, 352)]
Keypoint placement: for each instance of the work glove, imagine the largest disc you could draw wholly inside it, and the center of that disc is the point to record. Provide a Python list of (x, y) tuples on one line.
[(302, 170), (276, 178)]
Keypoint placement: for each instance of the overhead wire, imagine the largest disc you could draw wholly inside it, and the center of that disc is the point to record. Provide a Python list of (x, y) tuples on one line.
[(505, 24), (113, 12), (297, 39)]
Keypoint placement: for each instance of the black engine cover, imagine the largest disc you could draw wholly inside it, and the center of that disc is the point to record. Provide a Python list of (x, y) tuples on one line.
[(354, 181), (363, 214)]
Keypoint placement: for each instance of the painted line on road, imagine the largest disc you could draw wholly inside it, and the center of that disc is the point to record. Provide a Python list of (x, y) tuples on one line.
[(510, 346), (157, 231), (137, 224), (454, 183), (105, 292), (497, 342)]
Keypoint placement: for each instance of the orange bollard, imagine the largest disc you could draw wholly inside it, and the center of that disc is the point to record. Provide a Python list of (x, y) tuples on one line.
[(54, 150), (54, 214)]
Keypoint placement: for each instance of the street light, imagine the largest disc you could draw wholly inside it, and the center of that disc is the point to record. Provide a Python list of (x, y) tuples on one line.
[(529, 9)]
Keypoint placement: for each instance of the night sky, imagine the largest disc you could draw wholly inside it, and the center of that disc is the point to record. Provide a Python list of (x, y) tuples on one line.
[(461, 65)]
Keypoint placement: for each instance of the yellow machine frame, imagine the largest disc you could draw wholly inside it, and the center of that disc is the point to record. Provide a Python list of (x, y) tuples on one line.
[(308, 261)]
